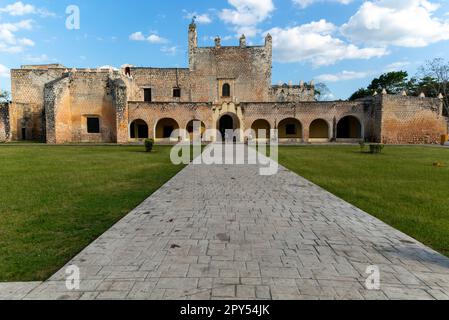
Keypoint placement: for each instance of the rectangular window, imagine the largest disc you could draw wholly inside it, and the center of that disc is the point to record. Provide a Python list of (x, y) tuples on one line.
[(290, 129), (147, 95), (93, 125), (176, 93)]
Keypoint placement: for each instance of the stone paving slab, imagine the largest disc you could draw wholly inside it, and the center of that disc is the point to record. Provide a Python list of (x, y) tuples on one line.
[(226, 232), (16, 290)]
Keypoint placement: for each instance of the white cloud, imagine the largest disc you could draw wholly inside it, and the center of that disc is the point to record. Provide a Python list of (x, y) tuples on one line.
[(246, 15), (21, 9), (137, 36), (18, 9), (204, 18), (396, 66), (315, 43), (342, 76), (38, 59), (305, 3), (4, 71), (152, 38), (170, 51), (9, 42), (405, 23)]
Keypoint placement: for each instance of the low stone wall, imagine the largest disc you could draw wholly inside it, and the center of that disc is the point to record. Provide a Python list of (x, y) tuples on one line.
[(412, 120)]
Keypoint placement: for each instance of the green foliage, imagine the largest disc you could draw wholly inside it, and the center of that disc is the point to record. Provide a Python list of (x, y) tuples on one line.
[(376, 148), (432, 80), (149, 143), (393, 82), (361, 93), (5, 96), (322, 92), (362, 146), (435, 77)]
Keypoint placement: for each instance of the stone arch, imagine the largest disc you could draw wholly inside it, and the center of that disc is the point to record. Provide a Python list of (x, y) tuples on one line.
[(319, 131), (190, 128), (261, 124), (290, 129), (138, 129), (164, 129), (228, 121), (349, 127)]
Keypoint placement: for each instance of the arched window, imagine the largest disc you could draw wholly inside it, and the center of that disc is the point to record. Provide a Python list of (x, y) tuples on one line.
[(226, 90)]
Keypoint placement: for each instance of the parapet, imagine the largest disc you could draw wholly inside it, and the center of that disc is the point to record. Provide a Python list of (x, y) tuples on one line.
[(42, 66)]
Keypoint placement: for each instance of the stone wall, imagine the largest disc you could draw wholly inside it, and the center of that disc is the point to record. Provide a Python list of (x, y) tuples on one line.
[(248, 113), (27, 107), (162, 81), (246, 68), (51, 103), (412, 120), (73, 98), (306, 113), (4, 122), (182, 113), (292, 93)]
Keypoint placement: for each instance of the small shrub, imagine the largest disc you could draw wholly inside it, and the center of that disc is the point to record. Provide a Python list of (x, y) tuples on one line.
[(149, 143), (439, 164), (376, 148), (362, 146)]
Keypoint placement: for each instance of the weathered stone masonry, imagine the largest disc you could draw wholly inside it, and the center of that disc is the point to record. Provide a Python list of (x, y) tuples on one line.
[(223, 87), (4, 122)]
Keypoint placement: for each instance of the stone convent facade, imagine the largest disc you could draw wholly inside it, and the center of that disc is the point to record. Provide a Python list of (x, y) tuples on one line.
[(223, 87)]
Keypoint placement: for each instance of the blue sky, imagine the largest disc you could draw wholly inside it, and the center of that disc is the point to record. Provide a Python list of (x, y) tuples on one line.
[(344, 43)]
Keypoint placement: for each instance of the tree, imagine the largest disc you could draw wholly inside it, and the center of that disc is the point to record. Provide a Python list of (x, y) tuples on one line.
[(361, 93), (435, 74), (4, 96), (393, 82), (322, 92)]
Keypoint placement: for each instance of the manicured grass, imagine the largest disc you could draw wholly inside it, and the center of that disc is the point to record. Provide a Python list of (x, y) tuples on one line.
[(55, 200), (400, 186)]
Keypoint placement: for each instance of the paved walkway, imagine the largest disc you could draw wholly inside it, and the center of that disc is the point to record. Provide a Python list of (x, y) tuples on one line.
[(226, 232)]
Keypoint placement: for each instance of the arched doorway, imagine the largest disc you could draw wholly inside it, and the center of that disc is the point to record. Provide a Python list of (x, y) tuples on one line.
[(349, 127), (138, 129), (228, 122), (261, 124), (290, 129), (164, 129), (319, 131), (190, 128)]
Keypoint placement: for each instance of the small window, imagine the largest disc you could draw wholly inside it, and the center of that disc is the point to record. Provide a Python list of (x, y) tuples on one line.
[(290, 129), (226, 90), (93, 125), (176, 92), (147, 95)]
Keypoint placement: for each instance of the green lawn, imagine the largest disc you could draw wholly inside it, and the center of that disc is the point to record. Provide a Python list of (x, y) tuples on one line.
[(400, 186), (55, 200)]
